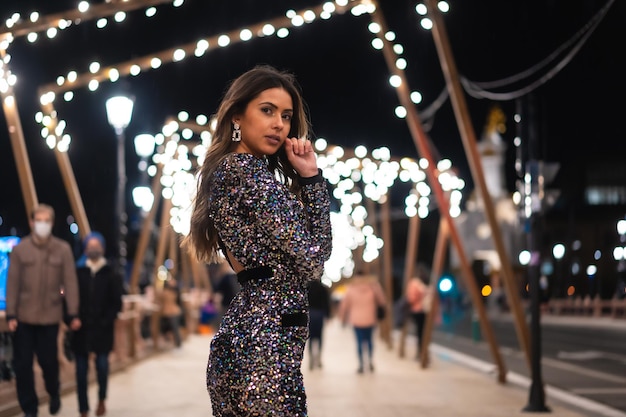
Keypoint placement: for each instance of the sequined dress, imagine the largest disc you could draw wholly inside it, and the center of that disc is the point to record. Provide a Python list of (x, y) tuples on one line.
[(256, 354)]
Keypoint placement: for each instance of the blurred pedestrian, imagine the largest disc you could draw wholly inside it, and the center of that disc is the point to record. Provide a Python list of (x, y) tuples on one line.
[(418, 299), (171, 309), (41, 274), (359, 308), (101, 291), (319, 311), (226, 287), (263, 202)]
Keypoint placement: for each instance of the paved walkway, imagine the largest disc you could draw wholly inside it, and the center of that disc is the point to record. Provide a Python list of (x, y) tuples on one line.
[(172, 384)]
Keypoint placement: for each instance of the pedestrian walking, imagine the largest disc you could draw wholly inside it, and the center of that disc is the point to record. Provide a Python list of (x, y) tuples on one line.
[(100, 288), (319, 311), (418, 299), (41, 273), (225, 289), (263, 202), (171, 310), (359, 306)]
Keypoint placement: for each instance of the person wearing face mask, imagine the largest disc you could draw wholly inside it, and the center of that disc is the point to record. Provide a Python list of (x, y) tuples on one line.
[(100, 289), (41, 274)]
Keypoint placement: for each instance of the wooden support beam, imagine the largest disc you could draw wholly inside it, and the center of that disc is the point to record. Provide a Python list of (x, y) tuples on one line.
[(164, 240), (421, 142), (387, 268), (468, 137), (146, 230), (73, 194), (201, 277), (22, 163), (443, 238), (69, 180), (410, 259)]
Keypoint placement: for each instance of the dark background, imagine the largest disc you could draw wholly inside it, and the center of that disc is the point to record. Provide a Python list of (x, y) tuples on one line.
[(344, 80)]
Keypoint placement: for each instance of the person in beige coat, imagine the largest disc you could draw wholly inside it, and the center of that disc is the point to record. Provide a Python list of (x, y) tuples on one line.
[(358, 308), (41, 276)]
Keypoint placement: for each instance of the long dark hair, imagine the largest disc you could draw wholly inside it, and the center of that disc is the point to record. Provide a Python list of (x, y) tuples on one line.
[(202, 237)]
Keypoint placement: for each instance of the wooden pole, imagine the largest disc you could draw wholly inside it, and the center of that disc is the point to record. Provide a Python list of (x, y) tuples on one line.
[(438, 263), (146, 231), (421, 142), (410, 259), (71, 188), (165, 229), (22, 163), (200, 274), (140, 253), (372, 215), (387, 270), (69, 180), (164, 239), (186, 271), (464, 123), (173, 253)]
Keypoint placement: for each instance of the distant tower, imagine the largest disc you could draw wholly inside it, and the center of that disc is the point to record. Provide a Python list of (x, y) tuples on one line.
[(472, 224), (491, 149)]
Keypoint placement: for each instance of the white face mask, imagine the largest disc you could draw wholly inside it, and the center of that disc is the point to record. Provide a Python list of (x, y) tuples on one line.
[(43, 229)]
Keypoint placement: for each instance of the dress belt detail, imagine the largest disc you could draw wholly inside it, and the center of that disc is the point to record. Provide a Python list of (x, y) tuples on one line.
[(255, 274), (294, 319)]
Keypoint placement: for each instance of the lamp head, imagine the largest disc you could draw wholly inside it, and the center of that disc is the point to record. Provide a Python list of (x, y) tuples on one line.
[(119, 112)]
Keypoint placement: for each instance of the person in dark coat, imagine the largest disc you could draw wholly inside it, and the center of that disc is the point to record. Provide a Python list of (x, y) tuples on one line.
[(100, 289), (319, 311)]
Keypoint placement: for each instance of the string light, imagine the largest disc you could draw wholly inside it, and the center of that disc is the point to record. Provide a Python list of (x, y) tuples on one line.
[(84, 12), (98, 74)]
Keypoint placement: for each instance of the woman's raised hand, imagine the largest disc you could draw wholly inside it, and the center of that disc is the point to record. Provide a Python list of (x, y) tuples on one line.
[(302, 156)]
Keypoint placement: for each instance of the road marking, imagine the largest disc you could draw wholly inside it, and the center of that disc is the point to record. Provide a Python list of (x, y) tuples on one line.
[(584, 355), (590, 355), (555, 363), (599, 391), (568, 397), (523, 381)]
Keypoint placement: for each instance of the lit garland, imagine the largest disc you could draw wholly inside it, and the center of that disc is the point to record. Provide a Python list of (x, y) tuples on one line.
[(134, 67), (16, 27), (48, 93), (7, 78), (400, 61)]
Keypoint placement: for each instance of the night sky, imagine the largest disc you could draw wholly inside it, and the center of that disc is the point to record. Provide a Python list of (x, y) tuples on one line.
[(344, 81)]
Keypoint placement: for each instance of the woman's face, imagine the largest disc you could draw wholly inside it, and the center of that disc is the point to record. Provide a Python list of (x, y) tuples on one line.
[(266, 122)]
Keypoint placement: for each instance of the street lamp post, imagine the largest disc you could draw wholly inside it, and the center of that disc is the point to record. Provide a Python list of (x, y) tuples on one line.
[(142, 194), (144, 147), (620, 256), (558, 251), (119, 112)]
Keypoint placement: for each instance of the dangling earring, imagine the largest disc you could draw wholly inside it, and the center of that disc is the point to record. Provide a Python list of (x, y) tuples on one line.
[(236, 132)]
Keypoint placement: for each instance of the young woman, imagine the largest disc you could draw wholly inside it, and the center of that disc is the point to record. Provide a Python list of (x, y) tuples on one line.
[(263, 203)]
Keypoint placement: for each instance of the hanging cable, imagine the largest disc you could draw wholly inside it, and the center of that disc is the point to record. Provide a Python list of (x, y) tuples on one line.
[(477, 90), (589, 27)]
